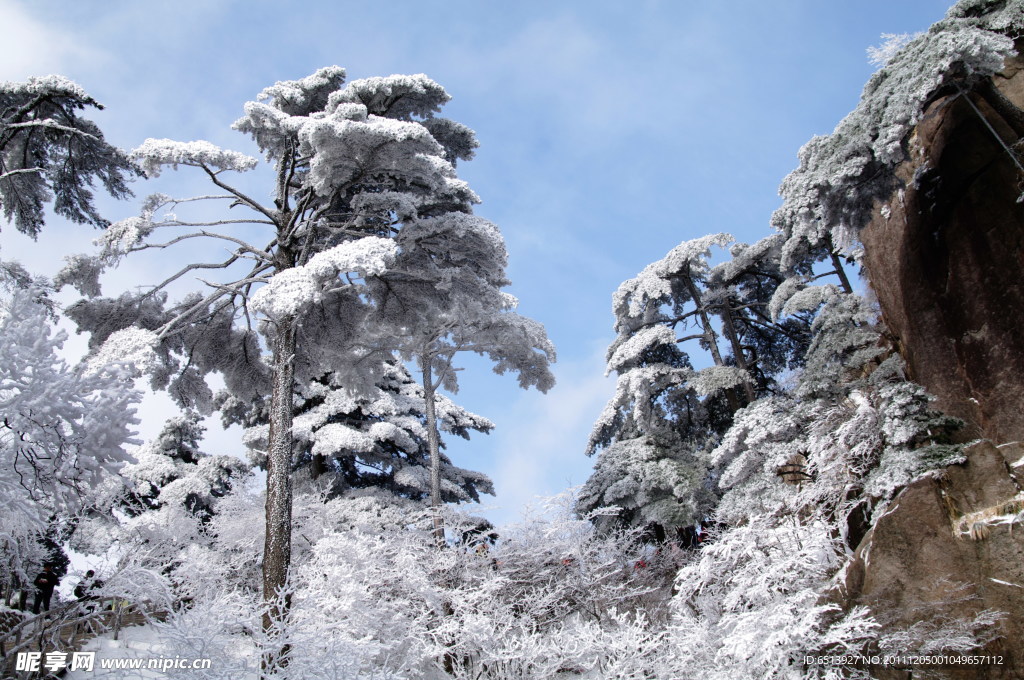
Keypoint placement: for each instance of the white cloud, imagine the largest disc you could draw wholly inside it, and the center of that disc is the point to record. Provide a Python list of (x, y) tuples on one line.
[(537, 448), (31, 47)]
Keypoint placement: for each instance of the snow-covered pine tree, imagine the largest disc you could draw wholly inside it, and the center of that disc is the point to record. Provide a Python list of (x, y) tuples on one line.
[(654, 435), (850, 433), (442, 296), (48, 152), (173, 470), (167, 506), (763, 345), (352, 166), (351, 441)]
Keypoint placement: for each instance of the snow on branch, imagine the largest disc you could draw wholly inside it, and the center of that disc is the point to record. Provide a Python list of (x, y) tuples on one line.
[(302, 96), (134, 346), (892, 43), (49, 86), (338, 437), (809, 299), (654, 282), (715, 379), (342, 149), (398, 96), (292, 290), (120, 237), (154, 154), (643, 340)]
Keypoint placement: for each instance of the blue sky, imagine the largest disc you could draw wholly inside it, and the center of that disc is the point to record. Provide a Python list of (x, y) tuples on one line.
[(609, 132)]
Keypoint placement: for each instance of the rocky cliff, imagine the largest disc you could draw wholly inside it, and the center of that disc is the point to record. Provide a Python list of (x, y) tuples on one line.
[(945, 257)]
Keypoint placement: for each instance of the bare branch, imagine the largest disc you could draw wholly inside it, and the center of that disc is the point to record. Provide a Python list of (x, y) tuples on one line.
[(271, 215), (246, 247), (211, 223), (192, 267), (193, 199), (235, 286)]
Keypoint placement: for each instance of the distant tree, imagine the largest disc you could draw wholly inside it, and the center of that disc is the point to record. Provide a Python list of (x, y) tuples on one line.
[(441, 297), (172, 469), (48, 152)]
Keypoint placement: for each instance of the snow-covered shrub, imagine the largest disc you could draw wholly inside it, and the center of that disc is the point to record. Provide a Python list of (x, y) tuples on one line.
[(372, 596), (63, 431), (751, 605)]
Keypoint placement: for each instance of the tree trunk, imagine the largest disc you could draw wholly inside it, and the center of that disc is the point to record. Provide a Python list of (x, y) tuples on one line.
[(841, 273), (711, 338), (729, 326), (434, 447), (277, 546), (317, 466)]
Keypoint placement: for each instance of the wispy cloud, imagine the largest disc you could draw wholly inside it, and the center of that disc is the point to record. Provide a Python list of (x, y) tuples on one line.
[(33, 47), (537, 448)]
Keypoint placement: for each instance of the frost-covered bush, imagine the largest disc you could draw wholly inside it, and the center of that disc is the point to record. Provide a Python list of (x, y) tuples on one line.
[(551, 596), (852, 428), (795, 469), (751, 605), (372, 596), (63, 429), (63, 432)]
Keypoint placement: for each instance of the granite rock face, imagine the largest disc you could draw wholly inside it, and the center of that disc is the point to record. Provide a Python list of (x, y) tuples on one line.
[(920, 569), (945, 257)]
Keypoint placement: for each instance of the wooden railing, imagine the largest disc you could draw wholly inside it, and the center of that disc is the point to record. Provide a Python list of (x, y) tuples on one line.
[(67, 627)]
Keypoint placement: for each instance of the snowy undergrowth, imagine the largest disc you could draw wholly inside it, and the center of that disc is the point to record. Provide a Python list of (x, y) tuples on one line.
[(372, 597)]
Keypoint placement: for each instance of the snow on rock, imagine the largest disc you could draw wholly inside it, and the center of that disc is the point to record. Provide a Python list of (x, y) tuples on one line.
[(832, 192)]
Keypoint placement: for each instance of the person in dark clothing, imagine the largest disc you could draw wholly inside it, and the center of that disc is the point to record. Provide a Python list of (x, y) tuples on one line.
[(84, 591), (85, 585), (45, 582)]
